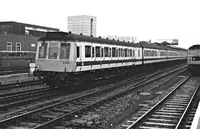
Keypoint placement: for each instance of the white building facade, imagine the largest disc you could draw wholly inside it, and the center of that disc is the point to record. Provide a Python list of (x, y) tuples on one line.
[(82, 24)]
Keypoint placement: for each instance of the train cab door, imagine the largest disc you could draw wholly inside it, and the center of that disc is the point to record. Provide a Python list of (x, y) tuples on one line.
[(78, 53), (93, 53)]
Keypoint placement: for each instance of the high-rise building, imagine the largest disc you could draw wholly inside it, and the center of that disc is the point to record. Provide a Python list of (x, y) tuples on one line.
[(82, 24)]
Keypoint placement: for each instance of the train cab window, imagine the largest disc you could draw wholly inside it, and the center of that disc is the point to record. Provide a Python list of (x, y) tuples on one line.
[(64, 50), (53, 50), (77, 52), (97, 51), (42, 50), (87, 51)]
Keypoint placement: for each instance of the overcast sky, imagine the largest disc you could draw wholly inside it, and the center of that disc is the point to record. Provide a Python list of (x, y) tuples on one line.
[(144, 19)]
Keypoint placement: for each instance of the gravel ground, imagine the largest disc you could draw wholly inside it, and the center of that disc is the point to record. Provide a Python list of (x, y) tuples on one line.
[(13, 78)]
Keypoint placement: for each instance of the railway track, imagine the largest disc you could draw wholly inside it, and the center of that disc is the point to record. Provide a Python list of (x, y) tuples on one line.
[(49, 115), (170, 111), (19, 84), (13, 70)]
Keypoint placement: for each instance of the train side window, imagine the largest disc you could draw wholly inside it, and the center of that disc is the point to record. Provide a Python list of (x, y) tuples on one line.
[(120, 52), (110, 52), (116, 52), (64, 50), (93, 52), (77, 52), (42, 50), (113, 52), (97, 51), (106, 51), (131, 52), (138, 53), (126, 52), (102, 52), (87, 51)]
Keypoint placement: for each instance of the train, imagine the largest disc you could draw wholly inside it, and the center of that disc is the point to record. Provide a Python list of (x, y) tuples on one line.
[(64, 58), (194, 59)]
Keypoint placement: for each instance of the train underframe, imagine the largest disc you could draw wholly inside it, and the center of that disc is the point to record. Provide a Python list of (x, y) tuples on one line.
[(58, 79)]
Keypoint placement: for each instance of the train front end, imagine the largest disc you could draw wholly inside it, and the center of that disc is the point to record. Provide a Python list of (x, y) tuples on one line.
[(194, 59), (54, 59)]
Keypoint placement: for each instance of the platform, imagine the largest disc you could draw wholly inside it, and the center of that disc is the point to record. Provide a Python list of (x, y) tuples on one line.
[(196, 120)]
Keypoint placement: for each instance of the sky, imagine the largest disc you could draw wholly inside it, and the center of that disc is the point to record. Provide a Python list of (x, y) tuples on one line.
[(144, 19)]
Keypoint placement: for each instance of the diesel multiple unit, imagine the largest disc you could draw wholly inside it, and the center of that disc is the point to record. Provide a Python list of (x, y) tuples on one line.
[(64, 58)]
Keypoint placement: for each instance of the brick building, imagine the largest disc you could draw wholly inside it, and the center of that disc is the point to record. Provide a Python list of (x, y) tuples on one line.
[(18, 42), (15, 36)]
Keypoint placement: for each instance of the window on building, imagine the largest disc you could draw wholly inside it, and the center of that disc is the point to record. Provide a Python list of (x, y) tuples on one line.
[(64, 50), (87, 51), (18, 46), (9, 46)]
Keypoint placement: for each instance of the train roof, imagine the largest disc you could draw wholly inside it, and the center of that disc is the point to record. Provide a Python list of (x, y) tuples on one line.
[(170, 47), (175, 48), (63, 36), (152, 45), (197, 46)]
